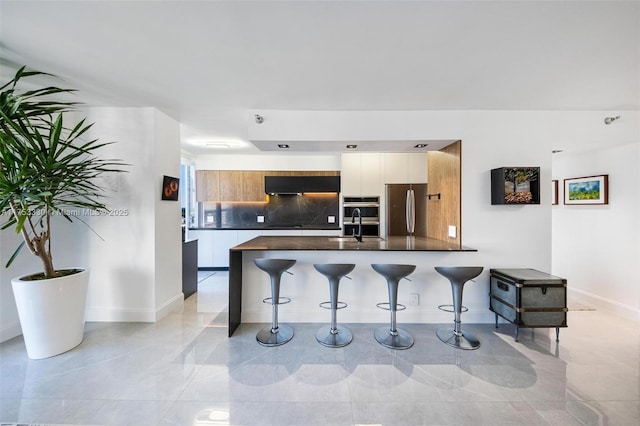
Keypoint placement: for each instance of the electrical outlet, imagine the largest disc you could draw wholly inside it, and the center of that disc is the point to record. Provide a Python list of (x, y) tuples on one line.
[(452, 231), (260, 219), (331, 219), (414, 299)]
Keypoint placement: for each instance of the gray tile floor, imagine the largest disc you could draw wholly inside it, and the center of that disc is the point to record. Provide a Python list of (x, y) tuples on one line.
[(184, 370)]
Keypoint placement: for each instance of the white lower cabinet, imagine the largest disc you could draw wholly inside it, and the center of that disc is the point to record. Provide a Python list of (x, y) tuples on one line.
[(330, 232), (205, 247), (223, 240), (214, 245)]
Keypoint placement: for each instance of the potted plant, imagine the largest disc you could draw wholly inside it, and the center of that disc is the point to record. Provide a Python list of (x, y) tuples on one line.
[(47, 169)]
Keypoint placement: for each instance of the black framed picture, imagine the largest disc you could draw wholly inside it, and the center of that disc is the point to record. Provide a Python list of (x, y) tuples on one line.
[(170, 187)]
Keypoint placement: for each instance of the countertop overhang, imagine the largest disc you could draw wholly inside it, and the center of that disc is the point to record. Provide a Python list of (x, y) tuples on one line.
[(389, 243)]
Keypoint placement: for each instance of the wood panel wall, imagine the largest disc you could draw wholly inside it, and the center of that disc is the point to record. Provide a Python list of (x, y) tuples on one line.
[(444, 177)]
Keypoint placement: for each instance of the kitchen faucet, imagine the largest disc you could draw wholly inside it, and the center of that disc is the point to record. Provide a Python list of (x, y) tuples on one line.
[(358, 236)]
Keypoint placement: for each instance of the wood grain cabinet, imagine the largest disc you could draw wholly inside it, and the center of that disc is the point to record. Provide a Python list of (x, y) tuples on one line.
[(253, 186), (207, 185), (242, 185), (230, 185)]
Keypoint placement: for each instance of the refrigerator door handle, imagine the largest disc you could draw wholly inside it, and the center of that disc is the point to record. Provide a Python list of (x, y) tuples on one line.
[(411, 211)]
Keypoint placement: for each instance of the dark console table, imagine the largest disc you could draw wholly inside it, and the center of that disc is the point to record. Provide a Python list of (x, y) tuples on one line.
[(529, 298)]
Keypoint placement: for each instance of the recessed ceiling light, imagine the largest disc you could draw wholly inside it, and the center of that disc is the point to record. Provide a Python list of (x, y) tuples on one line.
[(218, 145), (283, 145), (352, 146), (421, 145)]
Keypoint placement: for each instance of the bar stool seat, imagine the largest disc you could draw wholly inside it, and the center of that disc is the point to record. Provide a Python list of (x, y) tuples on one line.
[(458, 276), (334, 336), (277, 334), (393, 337)]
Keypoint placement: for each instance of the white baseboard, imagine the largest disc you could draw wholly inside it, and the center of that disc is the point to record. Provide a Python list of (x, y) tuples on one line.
[(135, 315), (603, 303), (10, 331), (171, 305)]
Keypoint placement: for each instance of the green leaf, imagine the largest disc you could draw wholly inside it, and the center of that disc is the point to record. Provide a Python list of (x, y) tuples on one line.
[(14, 255)]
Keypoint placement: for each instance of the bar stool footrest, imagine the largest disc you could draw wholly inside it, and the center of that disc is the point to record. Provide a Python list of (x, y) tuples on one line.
[(449, 308), (327, 305), (281, 301), (386, 306)]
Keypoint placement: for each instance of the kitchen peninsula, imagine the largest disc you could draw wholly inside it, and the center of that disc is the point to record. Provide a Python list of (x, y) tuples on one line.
[(310, 288)]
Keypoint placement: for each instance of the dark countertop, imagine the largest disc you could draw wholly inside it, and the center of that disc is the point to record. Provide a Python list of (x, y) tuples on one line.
[(393, 243), (269, 228)]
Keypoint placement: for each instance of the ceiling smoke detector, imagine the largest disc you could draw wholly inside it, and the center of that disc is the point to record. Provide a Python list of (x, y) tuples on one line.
[(609, 120)]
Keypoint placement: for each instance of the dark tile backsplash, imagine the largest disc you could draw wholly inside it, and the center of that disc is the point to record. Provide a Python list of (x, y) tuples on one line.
[(281, 211)]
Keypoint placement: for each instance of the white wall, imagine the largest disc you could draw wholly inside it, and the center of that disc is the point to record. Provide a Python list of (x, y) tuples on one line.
[(136, 261), (597, 248), (136, 271)]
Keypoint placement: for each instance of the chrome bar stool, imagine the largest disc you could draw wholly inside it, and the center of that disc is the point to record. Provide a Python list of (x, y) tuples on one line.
[(393, 337), (277, 334), (334, 336), (458, 276)]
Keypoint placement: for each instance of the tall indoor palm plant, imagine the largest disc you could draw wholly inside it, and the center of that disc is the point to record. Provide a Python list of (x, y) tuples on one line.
[(47, 169)]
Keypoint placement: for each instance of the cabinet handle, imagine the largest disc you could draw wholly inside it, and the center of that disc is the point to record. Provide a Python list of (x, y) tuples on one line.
[(503, 286)]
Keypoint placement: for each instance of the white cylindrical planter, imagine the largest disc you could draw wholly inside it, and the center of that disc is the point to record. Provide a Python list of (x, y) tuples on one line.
[(52, 313)]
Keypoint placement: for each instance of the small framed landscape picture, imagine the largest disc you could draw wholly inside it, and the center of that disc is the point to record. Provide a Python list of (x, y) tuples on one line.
[(554, 192), (587, 190)]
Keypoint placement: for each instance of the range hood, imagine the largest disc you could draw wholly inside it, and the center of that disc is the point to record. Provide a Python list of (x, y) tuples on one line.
[(301, 184)]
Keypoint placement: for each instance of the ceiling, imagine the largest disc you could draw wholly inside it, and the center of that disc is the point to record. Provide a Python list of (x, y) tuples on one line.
[(209, 63)]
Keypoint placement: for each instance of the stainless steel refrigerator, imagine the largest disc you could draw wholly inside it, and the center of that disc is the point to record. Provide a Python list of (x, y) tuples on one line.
[(406, 208)]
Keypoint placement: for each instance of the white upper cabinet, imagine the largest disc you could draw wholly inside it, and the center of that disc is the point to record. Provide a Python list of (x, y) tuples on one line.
[(360, 174), (417, 167), (404, 167), (394, 167), (370, 174), (350, 174)]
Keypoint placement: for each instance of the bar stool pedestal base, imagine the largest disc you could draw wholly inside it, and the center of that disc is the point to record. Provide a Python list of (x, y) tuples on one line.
[(267, 338), (399, 340), (466, 341), (325, 337)]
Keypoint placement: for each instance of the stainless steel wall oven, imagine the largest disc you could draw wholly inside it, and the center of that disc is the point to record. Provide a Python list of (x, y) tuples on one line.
[(370, 212)]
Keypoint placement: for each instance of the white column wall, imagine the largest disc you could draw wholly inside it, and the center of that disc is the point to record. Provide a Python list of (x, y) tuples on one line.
[(168, 235), (136, 270)]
